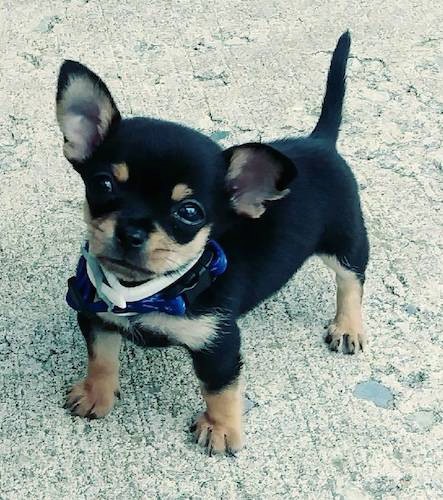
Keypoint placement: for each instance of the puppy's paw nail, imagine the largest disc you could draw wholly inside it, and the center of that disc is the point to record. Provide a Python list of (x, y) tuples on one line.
[(343, 337), (92, 398), (217, 438)]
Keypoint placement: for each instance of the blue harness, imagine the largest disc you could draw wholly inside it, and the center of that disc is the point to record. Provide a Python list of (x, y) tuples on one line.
[(84, 297)]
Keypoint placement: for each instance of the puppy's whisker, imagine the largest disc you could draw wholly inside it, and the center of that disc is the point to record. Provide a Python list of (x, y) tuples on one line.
[(137, 336), (172, 261), (96, 227)]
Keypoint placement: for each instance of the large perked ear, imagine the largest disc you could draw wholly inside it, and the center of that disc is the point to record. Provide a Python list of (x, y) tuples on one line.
[(86, 111), (257, 173)]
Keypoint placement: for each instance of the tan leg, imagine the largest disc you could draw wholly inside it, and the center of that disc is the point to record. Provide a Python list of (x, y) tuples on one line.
[(220, 427), (346, 331), (94, 396)]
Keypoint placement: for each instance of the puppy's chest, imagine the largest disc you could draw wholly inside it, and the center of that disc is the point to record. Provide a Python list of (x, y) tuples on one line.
[(158, 329)]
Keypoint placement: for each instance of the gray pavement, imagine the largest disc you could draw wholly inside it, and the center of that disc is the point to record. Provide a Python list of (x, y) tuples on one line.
[(324, 425)]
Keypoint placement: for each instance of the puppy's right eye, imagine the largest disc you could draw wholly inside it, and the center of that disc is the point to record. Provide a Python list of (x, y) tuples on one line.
[(103, 184)]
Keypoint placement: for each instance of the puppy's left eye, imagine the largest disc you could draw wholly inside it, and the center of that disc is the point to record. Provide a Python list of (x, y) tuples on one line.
[(189, 212)]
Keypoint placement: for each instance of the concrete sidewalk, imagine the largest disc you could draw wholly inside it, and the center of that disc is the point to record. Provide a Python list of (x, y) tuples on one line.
[(324, 425)]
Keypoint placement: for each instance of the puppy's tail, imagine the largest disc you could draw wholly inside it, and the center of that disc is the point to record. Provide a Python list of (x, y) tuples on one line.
[(330, 118)]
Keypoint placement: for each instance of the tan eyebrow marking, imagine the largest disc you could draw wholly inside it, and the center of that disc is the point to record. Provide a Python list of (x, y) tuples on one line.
[(180, 192), (120, 171)]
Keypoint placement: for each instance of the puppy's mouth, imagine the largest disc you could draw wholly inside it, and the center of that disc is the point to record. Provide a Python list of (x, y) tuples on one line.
[(126, 269), (131, 275)]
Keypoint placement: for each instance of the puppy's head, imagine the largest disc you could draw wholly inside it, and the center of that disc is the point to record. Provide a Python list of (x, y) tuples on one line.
[(155, 190)]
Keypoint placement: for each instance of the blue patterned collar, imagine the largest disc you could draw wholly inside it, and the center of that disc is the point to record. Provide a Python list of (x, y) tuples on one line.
[(94, 289)]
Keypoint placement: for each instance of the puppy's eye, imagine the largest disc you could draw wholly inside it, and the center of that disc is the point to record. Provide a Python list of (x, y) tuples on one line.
[(189, 212), (103, 184)]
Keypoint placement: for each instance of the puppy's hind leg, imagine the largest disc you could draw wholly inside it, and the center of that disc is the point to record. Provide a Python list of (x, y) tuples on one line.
[(346, 330)]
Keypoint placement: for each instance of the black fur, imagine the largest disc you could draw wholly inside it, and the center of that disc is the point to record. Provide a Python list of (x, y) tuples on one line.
[(219, 366), (330, 118), (321, 215)]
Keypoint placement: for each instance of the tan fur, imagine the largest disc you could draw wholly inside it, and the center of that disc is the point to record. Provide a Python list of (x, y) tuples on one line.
[(80, 90), (121, 172), (164, 254), (100, 233), (238, 160), (180, 192), (196, 333), (253, 206), (86, 212), (95, 395), (348, 319), (220, 427)]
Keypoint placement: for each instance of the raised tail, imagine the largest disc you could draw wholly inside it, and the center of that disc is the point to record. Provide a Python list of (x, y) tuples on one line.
[(330, 118)]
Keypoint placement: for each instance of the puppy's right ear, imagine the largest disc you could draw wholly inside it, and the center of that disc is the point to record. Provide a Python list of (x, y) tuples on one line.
[(86, 111), (257, 174)]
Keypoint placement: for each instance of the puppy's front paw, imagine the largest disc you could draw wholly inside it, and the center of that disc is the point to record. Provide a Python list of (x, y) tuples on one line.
[(217, 437), (345, 337), (92, 398)]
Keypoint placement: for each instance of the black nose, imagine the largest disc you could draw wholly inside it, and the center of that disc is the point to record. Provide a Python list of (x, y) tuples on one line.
[(130, 236)]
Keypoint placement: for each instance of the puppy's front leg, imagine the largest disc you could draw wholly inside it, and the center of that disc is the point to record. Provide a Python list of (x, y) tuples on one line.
[(220, 427), (94, 396)]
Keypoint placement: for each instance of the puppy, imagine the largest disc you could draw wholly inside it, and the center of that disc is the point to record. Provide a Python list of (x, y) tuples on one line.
[(158, 194)]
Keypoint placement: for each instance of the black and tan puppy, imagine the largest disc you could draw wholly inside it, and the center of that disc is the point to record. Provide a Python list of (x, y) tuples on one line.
[(157, 192)]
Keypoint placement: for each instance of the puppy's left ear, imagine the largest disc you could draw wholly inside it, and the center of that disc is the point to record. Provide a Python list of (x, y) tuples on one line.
[(257, 173), (86, 111)]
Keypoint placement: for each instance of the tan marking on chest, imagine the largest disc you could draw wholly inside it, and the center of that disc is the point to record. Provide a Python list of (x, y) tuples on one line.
[(196, 333)]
